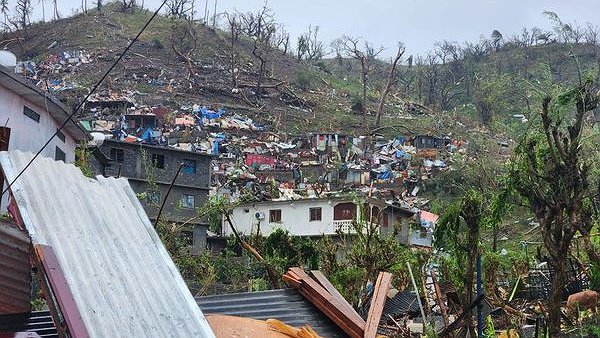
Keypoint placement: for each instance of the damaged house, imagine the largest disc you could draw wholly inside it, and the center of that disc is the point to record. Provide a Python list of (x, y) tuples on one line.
[(150, 171)]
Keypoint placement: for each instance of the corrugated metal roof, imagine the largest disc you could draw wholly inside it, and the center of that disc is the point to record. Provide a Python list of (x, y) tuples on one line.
[(39, 322), (287, 305), (402, 303), (15, 269), (122, 278)]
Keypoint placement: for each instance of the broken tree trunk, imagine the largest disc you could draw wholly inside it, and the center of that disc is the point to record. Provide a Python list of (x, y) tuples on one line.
[(391, 81), (273, 275)]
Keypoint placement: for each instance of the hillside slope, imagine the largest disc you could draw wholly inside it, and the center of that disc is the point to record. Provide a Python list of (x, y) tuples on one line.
[(152, 73)]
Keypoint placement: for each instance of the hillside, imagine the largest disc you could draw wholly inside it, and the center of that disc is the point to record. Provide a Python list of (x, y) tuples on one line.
[(296, 96)]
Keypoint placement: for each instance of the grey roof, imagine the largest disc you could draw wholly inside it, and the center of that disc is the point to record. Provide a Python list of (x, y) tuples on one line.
[(56, 109), (39, 322), (156, 147), (123, 280), (287, 305)]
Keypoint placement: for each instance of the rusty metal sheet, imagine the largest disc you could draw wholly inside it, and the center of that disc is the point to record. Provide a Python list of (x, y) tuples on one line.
[(123, 280), (15, 270)]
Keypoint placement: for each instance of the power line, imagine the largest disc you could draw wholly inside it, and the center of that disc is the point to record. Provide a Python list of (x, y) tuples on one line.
[(70, 117)]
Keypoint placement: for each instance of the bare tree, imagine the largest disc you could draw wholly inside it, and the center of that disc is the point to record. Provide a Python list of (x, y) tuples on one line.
[(431, 76), (127, 5), (592, 38), (281, 40), (179, 8), (99, 6), (392, 80), (260, 27), (309, 46), (5, 11), (184, 42), (233, 22), (55, 14), (349, 47), (23, 10)]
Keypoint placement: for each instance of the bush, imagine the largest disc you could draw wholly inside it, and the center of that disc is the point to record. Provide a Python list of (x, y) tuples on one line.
[(157, 44), (356, 104), (304, 80)]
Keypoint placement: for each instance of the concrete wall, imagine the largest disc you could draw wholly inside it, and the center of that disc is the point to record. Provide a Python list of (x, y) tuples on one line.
[(29, 135), (294, 218), (133, 166), (173, 210)]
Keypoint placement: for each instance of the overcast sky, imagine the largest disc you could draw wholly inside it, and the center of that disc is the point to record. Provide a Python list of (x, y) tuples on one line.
[(417, 23)]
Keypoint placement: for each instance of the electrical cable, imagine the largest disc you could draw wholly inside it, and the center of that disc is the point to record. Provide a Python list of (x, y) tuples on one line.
[(70, 117)]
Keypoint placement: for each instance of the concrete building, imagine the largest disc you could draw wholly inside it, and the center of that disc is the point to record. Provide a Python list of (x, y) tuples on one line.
[(150, 170), (318, 217), (29, 117)]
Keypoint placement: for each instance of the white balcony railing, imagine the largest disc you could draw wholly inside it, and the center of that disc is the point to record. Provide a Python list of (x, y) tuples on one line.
[(344, 226)]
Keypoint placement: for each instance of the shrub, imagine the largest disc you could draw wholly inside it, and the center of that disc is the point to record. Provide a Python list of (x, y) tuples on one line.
[(304, 80)]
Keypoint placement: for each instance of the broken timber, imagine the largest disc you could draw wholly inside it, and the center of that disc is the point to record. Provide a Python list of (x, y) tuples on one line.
[(345, 318), (382, 286)]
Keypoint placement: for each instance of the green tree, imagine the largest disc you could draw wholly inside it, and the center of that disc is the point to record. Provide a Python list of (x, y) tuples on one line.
[(457, 238), (553, 175)]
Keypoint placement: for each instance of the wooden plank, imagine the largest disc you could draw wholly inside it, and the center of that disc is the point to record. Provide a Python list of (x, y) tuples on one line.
[(334, 314), (438, 296), (349, 321), (321, 279), (349, 312), (382, 286), (61, 292)]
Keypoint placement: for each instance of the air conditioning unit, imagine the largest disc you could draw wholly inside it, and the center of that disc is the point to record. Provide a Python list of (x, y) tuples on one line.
[(259, 215)]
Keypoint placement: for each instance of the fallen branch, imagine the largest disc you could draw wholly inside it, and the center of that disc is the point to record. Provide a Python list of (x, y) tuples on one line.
[(273, 275)]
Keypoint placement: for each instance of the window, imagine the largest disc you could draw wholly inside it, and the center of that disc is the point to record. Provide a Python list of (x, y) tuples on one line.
[(344, 212), (60, 135), (188, 201), (189, 166), (153, 197), (275, 216), (59, 155), (158, 161), (117, 154), (31, 114), (314, 214)]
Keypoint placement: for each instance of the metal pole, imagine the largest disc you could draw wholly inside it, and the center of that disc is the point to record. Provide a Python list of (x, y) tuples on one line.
[(412, 278), (479, 293), (162, 205)]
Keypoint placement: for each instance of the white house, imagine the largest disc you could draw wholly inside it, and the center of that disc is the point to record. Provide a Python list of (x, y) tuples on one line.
[(29, 116), (317, 217)]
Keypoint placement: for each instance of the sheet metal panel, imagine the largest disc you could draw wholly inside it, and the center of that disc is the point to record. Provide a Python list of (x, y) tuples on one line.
[(15, 269), (39, 322), (287, 305), (122, 278)]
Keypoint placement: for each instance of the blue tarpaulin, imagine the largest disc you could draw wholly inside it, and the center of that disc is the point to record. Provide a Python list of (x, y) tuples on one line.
[(148, 134), (384, 175), (211, 114)]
